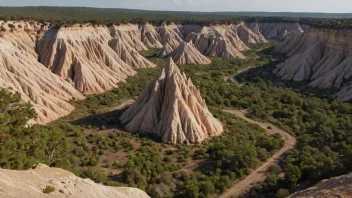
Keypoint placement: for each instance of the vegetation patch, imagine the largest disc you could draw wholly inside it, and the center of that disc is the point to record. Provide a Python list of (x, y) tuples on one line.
[(48, 189)]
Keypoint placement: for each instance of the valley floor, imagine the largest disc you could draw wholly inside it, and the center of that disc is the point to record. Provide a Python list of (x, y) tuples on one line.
[(101, 149), (259, 174)]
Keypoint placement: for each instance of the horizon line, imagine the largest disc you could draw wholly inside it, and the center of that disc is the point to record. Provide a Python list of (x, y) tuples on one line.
[(176, 10)]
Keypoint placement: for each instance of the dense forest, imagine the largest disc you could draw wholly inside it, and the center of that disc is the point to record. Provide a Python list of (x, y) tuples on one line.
[(69, 15)]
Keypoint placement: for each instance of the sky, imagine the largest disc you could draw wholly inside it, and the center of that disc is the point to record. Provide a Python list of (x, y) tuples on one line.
[(329, 6)]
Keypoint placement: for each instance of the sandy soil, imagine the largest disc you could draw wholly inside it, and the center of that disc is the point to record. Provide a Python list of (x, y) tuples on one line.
[(258, 175)]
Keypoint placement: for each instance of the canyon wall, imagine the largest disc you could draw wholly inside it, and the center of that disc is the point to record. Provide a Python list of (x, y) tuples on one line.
[(49, 66), (320, 56), (278, 30)]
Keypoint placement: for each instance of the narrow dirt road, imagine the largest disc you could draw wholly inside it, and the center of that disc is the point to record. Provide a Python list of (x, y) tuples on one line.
[(239, 72), (258, 175), (123, 104)]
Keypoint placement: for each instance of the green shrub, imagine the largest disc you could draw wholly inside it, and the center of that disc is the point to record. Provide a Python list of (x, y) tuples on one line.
[(48, 189)]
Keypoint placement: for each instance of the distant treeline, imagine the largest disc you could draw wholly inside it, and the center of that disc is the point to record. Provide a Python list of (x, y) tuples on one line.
[(70, 15)]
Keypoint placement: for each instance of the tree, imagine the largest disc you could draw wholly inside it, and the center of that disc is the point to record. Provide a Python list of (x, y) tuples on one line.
[(14, 114), (292, 174), (56, 147), (282, 193)]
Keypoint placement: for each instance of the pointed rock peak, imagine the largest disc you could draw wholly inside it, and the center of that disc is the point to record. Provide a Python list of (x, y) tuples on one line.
[(170, 65), (165, 51), (186, 53), (172, 108)]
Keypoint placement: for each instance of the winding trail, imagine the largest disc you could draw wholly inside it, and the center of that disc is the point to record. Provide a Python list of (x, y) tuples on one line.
[(258, 175), (234, 79)]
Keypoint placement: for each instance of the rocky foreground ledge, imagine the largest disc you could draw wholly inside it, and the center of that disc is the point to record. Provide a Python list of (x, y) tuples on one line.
[(334, 187), (31, 183)]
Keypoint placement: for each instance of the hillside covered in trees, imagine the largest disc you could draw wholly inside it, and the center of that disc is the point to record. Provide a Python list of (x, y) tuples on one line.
[(114, 15)]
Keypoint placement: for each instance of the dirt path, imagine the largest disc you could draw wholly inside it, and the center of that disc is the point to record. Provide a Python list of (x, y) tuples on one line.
[(122, 105), (258, 175), (239, 72)]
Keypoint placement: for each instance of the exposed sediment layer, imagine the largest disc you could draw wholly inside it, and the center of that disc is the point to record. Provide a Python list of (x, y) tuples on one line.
[(218, 41), (321, 56), (186, 53), (172, 108), (83, 57), (247, 35), (21, 72), (150, 36), (278, 30)]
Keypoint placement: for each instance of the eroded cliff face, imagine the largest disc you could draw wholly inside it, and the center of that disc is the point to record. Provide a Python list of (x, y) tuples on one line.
[(164, 51), (247, 35), (30, 184), (321, 56), (334, 187), (21, 72), (186, 53), (171, 107), (86, 59), (150, 36), (170, 34), (278, 30), (83, 57), (218, 41)]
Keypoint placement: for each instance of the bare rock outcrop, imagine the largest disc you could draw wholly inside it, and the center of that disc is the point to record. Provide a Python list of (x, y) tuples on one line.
[(171, 107), (334, 187), (218, 41), (82, 56), (129, 34), (247, 35), (150, 36), (278, 30), (321, 56), (129, 55), (20, 71), (165, 51), (31, 183), (170, 34), (186, 53)]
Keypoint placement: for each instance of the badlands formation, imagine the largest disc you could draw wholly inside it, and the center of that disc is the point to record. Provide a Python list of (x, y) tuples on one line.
[(171, 107), (76, 60), (321, 56), (277, 30), (30, 184), (187, 54), (150, 36), (250, 36), (21, 72), (50, 66), (220, 41), (334, 187), (164, 51)]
